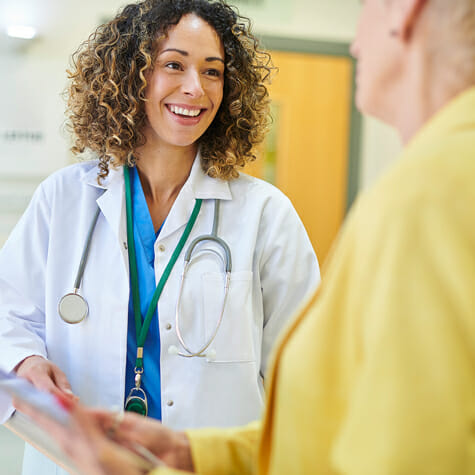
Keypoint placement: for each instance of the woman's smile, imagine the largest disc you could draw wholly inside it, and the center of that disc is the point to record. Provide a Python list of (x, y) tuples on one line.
[(185, 114)]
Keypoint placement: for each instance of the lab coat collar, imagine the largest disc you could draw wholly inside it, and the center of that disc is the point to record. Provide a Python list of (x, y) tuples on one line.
[(113, 178), (112, 200), (197, 186), (204, 187)]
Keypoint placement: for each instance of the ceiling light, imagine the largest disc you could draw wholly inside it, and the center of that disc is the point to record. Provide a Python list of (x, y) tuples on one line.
[(21, 31)]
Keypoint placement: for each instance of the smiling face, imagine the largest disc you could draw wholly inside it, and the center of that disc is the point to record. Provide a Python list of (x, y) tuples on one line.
[(185, 89)]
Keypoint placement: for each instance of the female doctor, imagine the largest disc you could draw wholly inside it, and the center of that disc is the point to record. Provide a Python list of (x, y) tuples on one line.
[(170, 98)]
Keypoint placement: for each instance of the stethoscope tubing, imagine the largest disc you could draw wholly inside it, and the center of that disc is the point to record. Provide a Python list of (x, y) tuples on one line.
[(73, 307), (201, 352), (227, 265), (85, 253)]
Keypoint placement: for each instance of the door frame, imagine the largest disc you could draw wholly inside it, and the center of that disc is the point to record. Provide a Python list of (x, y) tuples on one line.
[(328, 48)]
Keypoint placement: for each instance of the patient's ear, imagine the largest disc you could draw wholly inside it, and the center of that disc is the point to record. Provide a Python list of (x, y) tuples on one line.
[(404, 15)]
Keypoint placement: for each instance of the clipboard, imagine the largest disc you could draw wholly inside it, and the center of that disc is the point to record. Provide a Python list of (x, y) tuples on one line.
[(26, 429)]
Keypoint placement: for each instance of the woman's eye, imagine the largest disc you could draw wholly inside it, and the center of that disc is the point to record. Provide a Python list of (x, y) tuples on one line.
[(173, 65), (213, 72)]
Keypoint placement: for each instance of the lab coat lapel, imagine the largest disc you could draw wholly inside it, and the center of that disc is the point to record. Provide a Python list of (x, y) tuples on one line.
[(198, 185), (112, 202)]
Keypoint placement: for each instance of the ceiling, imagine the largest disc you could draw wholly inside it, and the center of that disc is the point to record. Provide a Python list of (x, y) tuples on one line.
[(61, 24)]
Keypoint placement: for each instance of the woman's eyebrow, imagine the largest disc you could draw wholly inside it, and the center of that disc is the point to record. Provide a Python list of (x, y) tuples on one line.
[(214, 58), (185, 53)]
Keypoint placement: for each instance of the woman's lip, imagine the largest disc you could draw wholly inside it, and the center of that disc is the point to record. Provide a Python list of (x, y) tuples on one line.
[(186, 106), (183, 119)]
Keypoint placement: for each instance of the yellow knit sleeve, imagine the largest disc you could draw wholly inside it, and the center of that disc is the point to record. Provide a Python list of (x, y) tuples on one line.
[(225, 451)]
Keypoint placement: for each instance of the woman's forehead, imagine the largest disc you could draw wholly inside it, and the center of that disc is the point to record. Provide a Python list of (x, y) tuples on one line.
[(192, 33)]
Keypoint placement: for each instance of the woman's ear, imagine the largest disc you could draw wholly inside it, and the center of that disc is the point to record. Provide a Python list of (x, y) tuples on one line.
[(404, 15)]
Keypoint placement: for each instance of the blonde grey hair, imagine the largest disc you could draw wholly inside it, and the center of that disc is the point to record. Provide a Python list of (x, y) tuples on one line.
[(451, 24)]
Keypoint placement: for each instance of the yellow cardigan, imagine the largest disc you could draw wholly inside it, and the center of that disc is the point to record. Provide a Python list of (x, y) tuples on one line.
[(377, 373)]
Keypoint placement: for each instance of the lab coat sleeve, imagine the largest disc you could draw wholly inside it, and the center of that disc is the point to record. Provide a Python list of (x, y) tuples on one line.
[(22, 289), (411, 406), (289, 270)]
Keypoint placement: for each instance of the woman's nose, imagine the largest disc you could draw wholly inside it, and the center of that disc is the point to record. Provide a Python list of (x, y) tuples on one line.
[(192, 85)]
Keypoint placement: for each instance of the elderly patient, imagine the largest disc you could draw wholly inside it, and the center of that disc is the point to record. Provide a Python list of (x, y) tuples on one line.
[(377, 373)]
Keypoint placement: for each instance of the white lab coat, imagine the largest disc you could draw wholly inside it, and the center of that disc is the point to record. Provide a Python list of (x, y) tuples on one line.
[(274, 269)]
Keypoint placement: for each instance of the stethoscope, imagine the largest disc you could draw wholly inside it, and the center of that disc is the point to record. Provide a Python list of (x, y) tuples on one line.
[(73, 307), (227, 266)]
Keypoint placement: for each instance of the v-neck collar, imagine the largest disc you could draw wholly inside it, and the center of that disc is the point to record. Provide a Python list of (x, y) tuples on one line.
[(143, 224)]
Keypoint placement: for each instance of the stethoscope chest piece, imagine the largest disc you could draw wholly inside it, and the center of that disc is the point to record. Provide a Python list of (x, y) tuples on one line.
[(72, 308)]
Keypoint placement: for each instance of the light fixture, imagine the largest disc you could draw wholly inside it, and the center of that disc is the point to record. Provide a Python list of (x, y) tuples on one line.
[(21, 31)]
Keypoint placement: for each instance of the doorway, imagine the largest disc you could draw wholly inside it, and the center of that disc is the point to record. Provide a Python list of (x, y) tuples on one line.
[(312, 151)]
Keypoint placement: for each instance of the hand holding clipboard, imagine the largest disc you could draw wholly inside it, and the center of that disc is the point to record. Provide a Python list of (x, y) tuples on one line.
[(83, 434)]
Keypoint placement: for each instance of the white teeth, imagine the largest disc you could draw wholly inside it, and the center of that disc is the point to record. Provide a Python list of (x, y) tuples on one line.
[(181, 111)]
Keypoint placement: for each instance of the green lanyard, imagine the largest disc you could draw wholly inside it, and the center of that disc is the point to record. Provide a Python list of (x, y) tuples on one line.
[(142, 329)]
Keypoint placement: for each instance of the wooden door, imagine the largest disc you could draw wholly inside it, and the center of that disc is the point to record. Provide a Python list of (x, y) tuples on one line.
[(307, 152)]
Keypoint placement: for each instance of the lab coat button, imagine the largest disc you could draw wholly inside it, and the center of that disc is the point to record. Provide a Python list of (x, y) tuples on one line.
[(170, 403), (168, 326), (161, 248)]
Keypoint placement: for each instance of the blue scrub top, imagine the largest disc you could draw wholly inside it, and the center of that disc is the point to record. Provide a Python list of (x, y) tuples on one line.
[(144, 238)]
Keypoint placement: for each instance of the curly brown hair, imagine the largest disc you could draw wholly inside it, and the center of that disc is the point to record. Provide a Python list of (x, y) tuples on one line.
[(106, 94)]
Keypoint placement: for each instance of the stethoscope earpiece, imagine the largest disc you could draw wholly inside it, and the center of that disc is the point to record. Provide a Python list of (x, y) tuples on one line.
[(172, 350), (211, 355)]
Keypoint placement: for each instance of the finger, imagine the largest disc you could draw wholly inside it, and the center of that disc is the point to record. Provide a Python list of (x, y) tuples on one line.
[(132, 427), (84, 418), (106, 419), (102, 416), (61, 381), (147, 432), (111, 423), (65, 401), (23, 368), (42, 380)]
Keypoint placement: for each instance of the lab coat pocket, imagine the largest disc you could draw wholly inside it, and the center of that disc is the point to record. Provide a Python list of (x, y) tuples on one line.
[(235, 335)]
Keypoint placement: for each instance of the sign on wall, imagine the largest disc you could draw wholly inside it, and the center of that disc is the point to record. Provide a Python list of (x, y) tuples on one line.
[(31, 116), (32, 144)]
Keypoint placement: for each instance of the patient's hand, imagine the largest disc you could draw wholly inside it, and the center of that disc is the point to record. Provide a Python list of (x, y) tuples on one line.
[(100, 443), (169, 446)]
